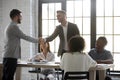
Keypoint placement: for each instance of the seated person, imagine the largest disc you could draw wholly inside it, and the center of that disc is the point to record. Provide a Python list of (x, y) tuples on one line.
[(75, 59), (100, 54), (45, 55)]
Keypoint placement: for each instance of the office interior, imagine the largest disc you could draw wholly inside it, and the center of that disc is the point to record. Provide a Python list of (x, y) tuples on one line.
[(94, 18)]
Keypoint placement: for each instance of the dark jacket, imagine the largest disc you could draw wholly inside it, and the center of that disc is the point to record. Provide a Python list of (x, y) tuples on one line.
[(72, 31)]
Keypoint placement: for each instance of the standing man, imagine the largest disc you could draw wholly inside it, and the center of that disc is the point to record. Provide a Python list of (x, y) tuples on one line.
[(65, 31), (12, 45)]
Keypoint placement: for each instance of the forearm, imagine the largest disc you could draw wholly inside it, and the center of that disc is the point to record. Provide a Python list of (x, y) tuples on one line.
[(18, 33), (104, 61)]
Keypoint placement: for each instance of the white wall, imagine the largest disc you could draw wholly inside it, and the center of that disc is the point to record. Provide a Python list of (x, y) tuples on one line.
[(1, 31), (29, 22), (29, 25)]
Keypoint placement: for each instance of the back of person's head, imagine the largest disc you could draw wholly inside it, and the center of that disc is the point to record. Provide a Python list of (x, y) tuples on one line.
[(103, 40), (76, 44), (61, 11), (14, 12)]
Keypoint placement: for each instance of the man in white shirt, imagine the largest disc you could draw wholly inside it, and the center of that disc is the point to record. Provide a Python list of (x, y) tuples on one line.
[(65, 31)]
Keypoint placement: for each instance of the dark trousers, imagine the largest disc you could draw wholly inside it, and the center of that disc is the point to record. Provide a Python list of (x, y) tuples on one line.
[(9, 68)]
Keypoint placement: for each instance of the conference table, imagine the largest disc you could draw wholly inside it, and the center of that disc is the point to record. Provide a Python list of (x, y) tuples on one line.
[(92, 71)]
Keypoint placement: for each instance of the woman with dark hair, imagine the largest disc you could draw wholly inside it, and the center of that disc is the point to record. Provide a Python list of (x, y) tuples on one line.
[(46, 56), (75, 59), (76, 44)]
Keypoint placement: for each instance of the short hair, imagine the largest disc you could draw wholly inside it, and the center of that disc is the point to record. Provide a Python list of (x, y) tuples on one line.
[(104, 40), (61, 11), (76, 44), (14, 12)]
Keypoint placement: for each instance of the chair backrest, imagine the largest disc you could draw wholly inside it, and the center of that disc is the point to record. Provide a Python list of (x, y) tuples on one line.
[(114, 73), (77, 75), (35, 70)]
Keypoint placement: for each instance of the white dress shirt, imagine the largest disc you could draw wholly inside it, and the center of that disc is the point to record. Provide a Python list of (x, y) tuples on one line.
[(65, 35)]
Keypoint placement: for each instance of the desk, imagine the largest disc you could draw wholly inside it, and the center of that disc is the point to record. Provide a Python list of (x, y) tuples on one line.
[(92, 71), (27, 64)]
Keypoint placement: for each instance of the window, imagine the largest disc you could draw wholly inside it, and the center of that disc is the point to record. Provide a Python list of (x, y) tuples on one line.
[(94, 18), (49, 22), (108, 22), (80, 16), (78, 12)]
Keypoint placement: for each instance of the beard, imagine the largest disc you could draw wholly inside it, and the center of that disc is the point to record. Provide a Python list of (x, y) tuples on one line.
[(19, 21), (59, 20)]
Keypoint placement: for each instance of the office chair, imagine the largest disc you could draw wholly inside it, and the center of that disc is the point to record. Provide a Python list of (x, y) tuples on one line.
[(77, 75), (114, 73), (59, 72)]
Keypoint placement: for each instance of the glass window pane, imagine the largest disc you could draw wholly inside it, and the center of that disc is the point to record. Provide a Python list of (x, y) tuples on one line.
[(54, 45), (56, 22), (44, 11), (79, 22), (51, 26), (100, 25), (108, 25), (49, 22), (78, 11), (99, 35), (116, 61), (86, 25), (87, 43), (116, 7), (116, 43), (70, 9), (109, 45), (51, 11), (116, 25), (108, 7), (86, 7), (45, 28), (70, 20), (57, 6), (99, 7)]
